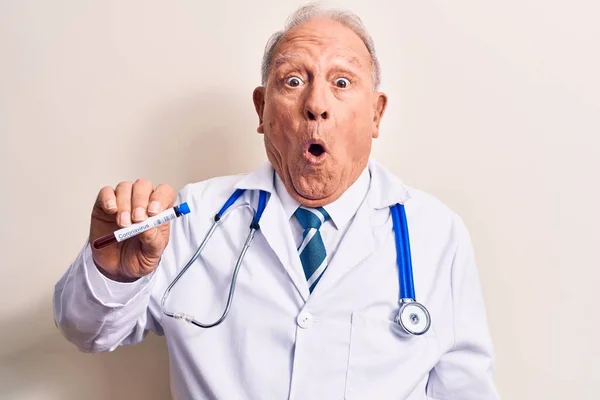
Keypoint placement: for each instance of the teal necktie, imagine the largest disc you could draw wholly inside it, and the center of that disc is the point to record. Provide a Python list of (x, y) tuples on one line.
[(312, 250)]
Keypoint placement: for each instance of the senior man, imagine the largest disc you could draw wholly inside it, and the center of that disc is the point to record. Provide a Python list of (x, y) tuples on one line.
[(313, 312)]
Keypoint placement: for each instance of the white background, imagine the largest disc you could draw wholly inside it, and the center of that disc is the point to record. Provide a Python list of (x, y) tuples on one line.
[(493, 107)]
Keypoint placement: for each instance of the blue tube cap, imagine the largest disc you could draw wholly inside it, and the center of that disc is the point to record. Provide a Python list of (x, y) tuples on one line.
[(183, 208)]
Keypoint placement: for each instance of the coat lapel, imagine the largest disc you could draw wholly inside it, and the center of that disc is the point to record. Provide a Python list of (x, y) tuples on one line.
[(356, 245), (363, 236), (275, 227)]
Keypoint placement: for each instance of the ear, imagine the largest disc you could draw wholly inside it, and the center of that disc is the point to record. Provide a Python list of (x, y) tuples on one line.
[(379, 105), (259, 104)]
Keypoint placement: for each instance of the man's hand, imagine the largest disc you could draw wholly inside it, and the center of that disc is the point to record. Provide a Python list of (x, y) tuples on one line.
[(117, 208)]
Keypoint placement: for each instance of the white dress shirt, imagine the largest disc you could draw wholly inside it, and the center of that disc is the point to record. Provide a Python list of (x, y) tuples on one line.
[(341, 212), (277, 341)]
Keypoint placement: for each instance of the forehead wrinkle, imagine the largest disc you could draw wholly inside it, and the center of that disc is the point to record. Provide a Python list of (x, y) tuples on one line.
[(284, 58), (327, 47), (323, 46), (302, 45)]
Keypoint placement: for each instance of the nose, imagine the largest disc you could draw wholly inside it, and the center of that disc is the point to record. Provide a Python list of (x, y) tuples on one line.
[(316, 107), (315, 116)]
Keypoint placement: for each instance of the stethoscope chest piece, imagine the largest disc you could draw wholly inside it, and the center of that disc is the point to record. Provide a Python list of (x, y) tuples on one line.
[(413, 317)]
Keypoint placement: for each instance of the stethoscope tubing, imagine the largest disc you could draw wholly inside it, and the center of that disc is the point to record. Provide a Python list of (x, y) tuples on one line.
[(218, 220), (403, 259)]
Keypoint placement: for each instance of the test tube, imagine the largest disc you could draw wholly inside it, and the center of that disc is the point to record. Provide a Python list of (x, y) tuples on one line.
[(137, 228)]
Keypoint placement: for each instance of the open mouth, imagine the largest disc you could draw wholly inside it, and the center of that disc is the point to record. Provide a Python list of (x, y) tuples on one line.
[(315, 152), (316, 149)]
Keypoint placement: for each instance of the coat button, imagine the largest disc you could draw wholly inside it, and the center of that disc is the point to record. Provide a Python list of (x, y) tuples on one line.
[(305, 320)]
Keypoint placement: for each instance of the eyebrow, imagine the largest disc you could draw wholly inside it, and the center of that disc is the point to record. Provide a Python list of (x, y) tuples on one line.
[(283, 58), (352, 60)]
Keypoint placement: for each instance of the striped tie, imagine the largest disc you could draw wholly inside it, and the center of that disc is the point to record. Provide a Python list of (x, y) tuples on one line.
[(312, 250)]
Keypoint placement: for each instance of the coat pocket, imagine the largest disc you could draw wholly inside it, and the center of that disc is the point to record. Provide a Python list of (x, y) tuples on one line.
[(384, 362)]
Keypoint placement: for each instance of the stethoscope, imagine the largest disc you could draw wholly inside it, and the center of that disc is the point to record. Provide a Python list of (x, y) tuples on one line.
[(412, 316)]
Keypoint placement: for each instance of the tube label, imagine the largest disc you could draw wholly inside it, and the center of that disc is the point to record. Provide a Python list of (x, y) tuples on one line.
[(149, 223)]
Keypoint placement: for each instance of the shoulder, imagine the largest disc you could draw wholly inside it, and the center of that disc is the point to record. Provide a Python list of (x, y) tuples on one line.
[(425, 202), (207, 196), (424, 210)]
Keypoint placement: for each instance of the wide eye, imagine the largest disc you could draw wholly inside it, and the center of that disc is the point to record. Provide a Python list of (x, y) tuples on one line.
[(294, 81), (342, 83)]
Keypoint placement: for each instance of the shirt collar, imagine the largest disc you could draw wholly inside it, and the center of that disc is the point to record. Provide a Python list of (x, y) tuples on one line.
[(384, 189), (341, 210)]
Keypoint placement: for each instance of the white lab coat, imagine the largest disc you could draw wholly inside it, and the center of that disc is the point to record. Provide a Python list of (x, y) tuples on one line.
[(279, 343)]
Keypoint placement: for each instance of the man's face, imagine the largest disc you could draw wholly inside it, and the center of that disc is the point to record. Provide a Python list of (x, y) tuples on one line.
[(318, 111)]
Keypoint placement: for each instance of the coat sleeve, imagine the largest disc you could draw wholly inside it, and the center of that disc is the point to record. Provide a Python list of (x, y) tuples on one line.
[(465, 372), (98, 314)]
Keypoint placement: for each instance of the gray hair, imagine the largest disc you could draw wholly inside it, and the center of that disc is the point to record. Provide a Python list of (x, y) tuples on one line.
[(314, 11)]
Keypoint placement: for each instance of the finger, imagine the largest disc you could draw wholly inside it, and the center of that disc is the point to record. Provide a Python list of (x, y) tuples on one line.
[(152, 240), (162, 198), (140, 197), (123, 192), (106, 200)]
